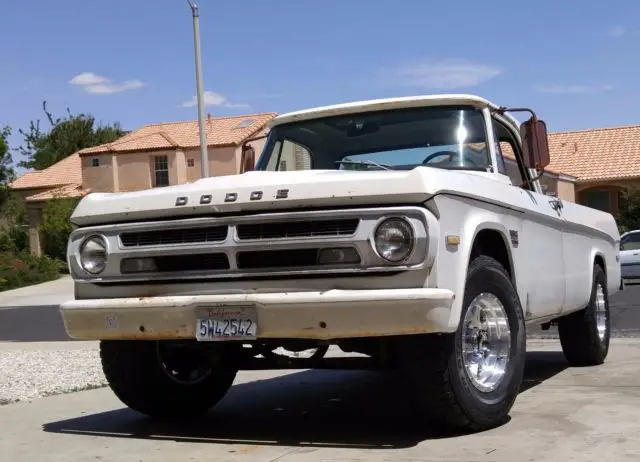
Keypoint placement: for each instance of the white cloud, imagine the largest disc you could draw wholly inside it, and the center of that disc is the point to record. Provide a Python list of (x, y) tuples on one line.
[(213, 99), (444, 74), (87, 78), (97, 84), (573, 88), (617, 31)]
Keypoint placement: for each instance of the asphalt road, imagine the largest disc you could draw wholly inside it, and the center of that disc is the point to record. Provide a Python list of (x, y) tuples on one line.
[(44, 324)]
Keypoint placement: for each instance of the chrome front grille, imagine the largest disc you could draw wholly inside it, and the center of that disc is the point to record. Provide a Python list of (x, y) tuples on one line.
[(297, 229), (174, 236), (269, 244)]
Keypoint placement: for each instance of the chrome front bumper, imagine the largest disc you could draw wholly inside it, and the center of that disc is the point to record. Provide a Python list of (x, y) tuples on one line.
[(321, 315)]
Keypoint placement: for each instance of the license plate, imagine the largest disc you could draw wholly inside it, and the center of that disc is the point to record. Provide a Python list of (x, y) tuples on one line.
[(215, 323)]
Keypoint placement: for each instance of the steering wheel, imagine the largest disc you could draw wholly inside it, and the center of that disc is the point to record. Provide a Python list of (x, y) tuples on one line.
[(451, 155)]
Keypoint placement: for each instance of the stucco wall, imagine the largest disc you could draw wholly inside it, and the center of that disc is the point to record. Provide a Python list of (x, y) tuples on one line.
[(100, 178), (566, 190), (222, 161), (136, 171)]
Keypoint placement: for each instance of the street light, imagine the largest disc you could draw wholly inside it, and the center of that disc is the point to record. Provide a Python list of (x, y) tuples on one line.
[(204, 154)]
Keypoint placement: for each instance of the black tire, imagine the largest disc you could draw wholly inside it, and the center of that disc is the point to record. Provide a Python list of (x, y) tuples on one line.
[(137, 377), (581, 341), (435, 369)]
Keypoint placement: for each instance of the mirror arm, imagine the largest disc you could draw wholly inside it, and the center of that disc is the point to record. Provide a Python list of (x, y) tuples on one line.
[(540, 172), (534, 118), (255, 138), (503, 109)]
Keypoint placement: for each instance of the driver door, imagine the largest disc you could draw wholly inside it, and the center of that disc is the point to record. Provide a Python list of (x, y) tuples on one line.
[(540, 251)]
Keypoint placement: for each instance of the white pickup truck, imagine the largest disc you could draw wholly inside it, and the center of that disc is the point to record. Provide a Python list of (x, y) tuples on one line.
[(397, 228)]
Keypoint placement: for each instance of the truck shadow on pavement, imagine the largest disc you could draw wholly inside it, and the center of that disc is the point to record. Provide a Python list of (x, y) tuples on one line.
[(317, 408)]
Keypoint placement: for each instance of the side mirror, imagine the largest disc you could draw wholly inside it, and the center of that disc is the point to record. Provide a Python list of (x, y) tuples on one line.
[(248, 160), (535, 144)]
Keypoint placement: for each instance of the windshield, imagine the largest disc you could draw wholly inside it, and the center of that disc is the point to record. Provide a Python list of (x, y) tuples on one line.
[(442, 137)]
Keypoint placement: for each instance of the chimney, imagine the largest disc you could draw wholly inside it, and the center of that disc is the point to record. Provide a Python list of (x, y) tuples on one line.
[(575, 144)]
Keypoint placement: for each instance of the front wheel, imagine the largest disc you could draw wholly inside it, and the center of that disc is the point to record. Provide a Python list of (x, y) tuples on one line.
[(165, 379), (469, 380)]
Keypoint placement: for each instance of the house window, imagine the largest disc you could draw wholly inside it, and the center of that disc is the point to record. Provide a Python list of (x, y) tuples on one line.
[(95, 162), (191, 162), (283, 165), (161, 166)]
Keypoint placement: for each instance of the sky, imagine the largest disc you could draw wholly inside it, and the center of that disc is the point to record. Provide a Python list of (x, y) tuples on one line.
[(132, 61)]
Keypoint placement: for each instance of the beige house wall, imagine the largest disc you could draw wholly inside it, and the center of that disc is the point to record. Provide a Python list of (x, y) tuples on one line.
[(136, 170), (566, 190), (223, 161), (102, 177), (192, 171)]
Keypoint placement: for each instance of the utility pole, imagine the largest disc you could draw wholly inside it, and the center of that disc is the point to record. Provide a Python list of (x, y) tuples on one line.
[(204, 153)]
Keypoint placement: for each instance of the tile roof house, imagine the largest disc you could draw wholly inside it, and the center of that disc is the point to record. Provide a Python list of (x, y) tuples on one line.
[(600, 162), (169, 153), (155, 155), (65, 174)]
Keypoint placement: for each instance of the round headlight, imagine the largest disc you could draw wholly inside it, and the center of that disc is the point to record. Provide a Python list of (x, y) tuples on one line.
[(93, 254), (394, 239)]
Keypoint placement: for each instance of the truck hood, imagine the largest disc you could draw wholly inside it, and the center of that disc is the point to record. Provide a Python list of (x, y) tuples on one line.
[(258, 190)]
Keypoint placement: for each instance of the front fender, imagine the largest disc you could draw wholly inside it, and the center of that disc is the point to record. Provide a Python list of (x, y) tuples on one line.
[(466, 220)]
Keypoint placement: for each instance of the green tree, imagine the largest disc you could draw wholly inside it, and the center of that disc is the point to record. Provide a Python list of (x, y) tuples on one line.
[(56, 227), (65, 136), (629, 209), (6, 165)]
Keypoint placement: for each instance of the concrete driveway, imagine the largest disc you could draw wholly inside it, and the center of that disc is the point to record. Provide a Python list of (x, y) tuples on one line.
[(562, 414)]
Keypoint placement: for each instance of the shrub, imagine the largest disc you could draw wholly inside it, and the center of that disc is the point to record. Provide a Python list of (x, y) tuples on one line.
[(23, 269), (55, 228), (629, 209)]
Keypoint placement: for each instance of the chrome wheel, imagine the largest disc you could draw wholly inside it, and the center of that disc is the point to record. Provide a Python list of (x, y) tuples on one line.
[(182, 364), (601, 312), (486, 342)]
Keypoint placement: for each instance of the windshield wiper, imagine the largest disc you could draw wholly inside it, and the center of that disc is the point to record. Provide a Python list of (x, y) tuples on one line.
[(364, 162)]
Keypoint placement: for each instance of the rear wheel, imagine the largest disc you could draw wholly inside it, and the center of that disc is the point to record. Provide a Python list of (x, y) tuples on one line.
[(469, 380), (585, 334), (166, 379)]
